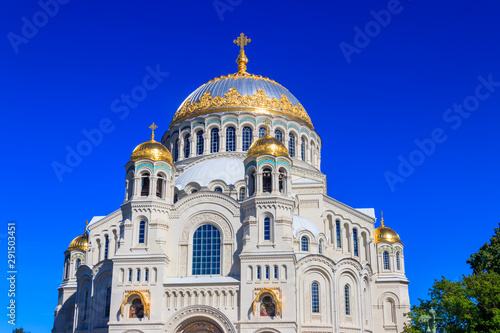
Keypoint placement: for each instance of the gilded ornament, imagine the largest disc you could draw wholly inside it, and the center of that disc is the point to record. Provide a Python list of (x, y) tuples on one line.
[(152, 150), (234, 101)]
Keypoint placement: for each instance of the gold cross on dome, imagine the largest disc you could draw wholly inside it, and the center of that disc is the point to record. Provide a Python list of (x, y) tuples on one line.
[(86, 226), (153, 127), (242, 41)]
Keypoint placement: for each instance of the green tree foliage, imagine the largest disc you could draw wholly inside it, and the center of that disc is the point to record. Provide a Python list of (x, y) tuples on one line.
[(20, 330), (471, 304)]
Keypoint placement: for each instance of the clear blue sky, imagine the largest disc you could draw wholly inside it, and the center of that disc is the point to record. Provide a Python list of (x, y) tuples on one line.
[(397, 87)]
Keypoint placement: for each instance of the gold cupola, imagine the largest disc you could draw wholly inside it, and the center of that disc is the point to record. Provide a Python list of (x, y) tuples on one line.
[(80, 242), (267, 145), (386, 234), (152, 150), (242, 92)]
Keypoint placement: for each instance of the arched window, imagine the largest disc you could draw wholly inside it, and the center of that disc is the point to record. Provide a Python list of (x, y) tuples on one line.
[(246, 138), (304, 244), (187, 145), (258, 272), (206, 250), (278, 135), (320, 247), (130, 186), (199, 143), (347, 297), (267, 228), (129, 275), (145, 184), (138, 275), (267, 272), (142, 232), (267, 181), (136, 309), (314, 297), (251, 183), (146, 275), (218, 189), (106, 247), (230, 139), (176, 197), (85, 304), (387, 265), (303, 150), (66, 267), (291, 145), (282, 181), (77, 265), (262, 132), (176, 150), (160, 184), (355, 241), (398, 261), (276, 272), (214, 140), (108, 302), (337, 230), (311, 150), (241, 195)]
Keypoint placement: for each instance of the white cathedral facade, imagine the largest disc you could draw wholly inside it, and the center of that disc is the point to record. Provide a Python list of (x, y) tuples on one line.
[(226, 226)]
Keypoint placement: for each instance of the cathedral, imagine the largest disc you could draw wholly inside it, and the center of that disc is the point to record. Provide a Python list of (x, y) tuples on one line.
[(226, 227)]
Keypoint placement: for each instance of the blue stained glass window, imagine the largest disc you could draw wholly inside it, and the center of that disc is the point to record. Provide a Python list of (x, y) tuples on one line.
[(278, 135), (230, 139), (276, 271), (108, 302), (199, 143), (291, 145), (146, 275), (129, 275), (347, 298), (176, 150), (142, 232), (258, 272), (267, 272), (246, 138), (106, 246), (267, 228), (337, 227), (187, 146), (206, 250), (304, 243), (262, 132), (386, 260), (314, 298), (303, 150), (355, 241), (214, 140)]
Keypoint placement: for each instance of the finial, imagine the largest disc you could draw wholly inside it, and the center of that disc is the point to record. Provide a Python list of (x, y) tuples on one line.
[(382, 219), (242, 60), (153, 127), (86, 227)]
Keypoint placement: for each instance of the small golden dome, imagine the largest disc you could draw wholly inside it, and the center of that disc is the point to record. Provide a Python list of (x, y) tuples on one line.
[(267, 145), (80, 243), (386, 234), (152, 150)]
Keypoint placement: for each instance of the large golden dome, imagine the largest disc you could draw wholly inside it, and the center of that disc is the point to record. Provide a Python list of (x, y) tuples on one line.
[(152, 150), (242, 91), (79, 243), (267, 145), (386, 234)]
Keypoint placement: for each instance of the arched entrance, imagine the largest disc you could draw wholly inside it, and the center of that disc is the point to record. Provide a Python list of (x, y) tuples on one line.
[(199, 319)]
